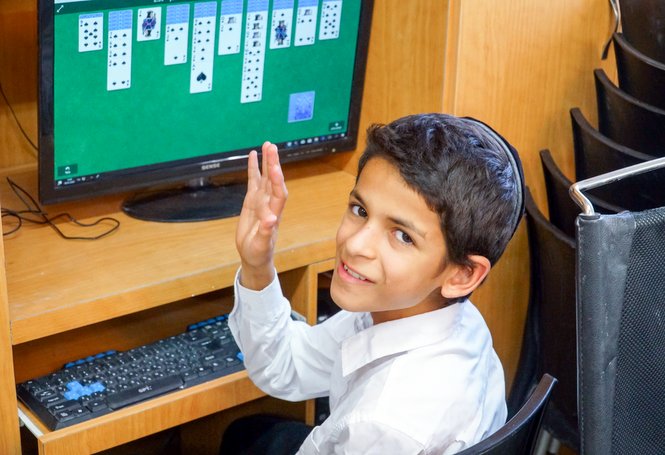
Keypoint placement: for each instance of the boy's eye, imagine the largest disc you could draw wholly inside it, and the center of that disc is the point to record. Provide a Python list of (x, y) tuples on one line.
[(403, 237), (358, 210)]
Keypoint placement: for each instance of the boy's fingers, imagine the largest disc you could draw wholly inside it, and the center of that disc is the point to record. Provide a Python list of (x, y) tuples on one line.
[(277, 187), (266, 191), (265, 156), (253, 173), (267, 146), (279, 191)]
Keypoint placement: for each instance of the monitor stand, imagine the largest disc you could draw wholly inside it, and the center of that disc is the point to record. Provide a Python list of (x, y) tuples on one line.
[(199, 200)]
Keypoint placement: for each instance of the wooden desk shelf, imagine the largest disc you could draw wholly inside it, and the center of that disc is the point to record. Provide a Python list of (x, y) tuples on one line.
[(68, 299)]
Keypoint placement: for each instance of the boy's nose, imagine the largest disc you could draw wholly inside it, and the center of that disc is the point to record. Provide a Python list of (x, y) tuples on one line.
[(362, 242)]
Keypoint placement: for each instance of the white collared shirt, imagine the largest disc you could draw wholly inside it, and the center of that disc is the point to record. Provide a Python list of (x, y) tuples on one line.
[(426, 384)]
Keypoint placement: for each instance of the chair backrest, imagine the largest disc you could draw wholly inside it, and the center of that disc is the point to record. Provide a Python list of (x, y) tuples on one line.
[(549, 342), (627, 120), (620, 314), (642, 24), (562, 209), (596, 154), (639, 75), (518, 435)]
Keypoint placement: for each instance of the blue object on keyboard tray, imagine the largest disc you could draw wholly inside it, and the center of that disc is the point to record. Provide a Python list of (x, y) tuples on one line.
[(101, 383)]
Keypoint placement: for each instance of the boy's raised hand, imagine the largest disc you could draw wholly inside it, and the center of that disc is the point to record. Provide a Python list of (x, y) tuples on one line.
[(259, 219)]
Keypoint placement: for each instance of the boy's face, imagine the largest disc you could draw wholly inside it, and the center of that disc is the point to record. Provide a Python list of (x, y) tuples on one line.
[(390, 258)]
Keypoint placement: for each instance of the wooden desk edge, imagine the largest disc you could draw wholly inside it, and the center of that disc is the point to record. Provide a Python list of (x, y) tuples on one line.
[(45, 324)]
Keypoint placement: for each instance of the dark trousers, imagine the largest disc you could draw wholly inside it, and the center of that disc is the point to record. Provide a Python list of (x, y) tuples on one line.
[(264, 435)]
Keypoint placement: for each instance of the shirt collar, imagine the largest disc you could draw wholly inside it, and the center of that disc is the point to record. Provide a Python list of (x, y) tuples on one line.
[(400, 335)]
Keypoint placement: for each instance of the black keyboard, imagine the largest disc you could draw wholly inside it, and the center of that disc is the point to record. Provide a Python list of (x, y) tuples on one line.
[(99, 384)]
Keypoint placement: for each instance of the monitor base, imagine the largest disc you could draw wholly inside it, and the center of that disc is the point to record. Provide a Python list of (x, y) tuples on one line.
[(203, 201)]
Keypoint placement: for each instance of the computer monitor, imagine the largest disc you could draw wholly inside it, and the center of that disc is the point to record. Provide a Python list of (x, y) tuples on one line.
[(140, 93)]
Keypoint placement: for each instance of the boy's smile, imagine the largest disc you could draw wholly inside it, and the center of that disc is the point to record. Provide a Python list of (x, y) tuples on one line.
[(348, 274), (390, 249)]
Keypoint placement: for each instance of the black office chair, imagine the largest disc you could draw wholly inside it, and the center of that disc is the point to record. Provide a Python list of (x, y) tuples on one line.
[(562, 210), (639, 75), (549, 342), (627, 120), (596, 154), (620, 314), (518, 436), (642, 24)]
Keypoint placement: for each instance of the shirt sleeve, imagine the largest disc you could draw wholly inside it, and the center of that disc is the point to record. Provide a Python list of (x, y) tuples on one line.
[(287, 359), (360, 437)]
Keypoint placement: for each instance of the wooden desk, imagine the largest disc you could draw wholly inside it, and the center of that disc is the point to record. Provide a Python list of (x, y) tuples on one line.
[(68, 299)]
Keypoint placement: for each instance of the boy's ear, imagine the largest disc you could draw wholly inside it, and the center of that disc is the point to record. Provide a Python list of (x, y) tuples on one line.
[(461, 280)]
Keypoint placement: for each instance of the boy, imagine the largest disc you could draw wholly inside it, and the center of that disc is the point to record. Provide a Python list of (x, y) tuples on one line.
[(408, 363)]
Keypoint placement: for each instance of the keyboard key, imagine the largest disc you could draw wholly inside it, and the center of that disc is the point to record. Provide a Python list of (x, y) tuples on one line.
[(64, 406), (64, 416), (53, 400), (96, 405), (44, 395)]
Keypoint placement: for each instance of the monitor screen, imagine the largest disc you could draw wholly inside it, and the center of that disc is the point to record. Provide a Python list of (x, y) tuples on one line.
[(136, 93)]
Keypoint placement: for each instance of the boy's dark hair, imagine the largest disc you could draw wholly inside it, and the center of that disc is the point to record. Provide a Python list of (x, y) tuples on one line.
[(467, 174)]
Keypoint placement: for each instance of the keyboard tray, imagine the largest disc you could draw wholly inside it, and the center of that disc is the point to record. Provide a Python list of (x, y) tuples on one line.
[(99, 384)]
